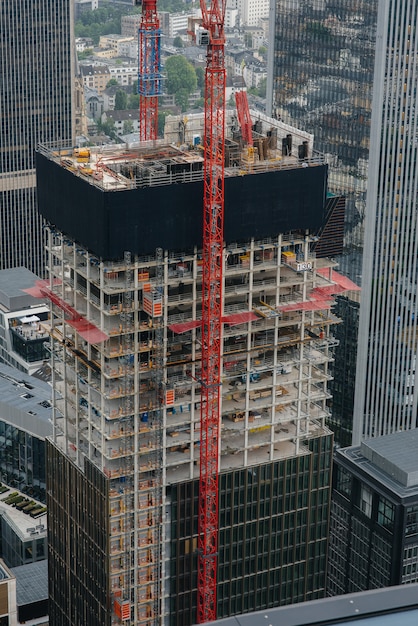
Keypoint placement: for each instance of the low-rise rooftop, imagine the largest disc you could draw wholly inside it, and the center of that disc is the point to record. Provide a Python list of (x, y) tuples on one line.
[(25, 402), (26, 516), (31, 582), (390, 460), (13, 282)]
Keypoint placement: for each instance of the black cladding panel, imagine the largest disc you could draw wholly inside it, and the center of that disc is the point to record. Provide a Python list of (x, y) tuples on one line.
[(170, 216)]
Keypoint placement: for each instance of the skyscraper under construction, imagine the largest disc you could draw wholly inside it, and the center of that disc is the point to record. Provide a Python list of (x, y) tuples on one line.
[(124, 260)]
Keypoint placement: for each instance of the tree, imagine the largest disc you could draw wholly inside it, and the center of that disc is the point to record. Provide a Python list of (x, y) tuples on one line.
[(133, 101), (111, 82), (161, 122), (85, 54), (128, 127), (180, 75), (199, 104), (182, 98), (262, 88), (121, 100), (107, 128), (200, 75), (178, 42), (262, 51)]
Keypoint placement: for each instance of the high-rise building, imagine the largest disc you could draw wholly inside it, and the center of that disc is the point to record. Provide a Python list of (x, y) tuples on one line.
[(320, 79), (36, 57), (126, 356), (374, 515), (386, 397)]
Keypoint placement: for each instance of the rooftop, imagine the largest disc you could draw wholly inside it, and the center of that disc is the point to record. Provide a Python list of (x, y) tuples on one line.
[(13, 281), (395, 454), (28, 524), (163, 183), (25, 402), (390, 460), (31, 582), (379, 607)]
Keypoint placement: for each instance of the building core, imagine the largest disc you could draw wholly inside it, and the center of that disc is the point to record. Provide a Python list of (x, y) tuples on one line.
[(124, 260)]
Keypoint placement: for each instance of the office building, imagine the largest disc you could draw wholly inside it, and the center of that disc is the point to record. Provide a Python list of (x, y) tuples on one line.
[(320, 79), (23, 528), (386, 397), (374, 515), (25, 423), (8, 612), (24, 339), (126, 359), (32, 592), (36, 59)]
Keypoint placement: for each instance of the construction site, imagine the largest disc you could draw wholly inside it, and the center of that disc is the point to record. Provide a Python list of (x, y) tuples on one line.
[(126, 352)]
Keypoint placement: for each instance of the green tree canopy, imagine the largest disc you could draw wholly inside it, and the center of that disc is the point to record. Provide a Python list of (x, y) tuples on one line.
[(112, 82), (85, 54), (128, 127), (108, 128), (181, 75), (161, 122), (121, 100), (200, 75), (182, 98), (262, 88), (133, 101), (178, 42)]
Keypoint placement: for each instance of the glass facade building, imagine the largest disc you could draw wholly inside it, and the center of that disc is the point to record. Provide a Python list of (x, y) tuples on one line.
[(374, 515), (273, 535), (36, 59), (320, 78), (25, 422), (22, 460), (386, 397)]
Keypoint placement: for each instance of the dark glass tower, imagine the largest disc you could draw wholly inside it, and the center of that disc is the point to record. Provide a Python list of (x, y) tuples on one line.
[(321, 61), (374, 515), (35, 105)]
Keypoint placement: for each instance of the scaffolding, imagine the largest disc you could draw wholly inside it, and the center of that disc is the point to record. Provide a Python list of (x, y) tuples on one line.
[(131, 403)]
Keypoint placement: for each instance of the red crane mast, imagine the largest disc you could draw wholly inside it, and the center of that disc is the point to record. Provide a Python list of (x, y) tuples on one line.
[(244, 117), (149, 74), (212, 274)]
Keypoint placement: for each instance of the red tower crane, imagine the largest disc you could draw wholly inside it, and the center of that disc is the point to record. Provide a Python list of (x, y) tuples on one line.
[(149, 75), (244, 117), (213, 218)]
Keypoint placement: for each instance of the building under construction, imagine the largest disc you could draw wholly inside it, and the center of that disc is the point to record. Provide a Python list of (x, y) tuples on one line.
[(124, 257)]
